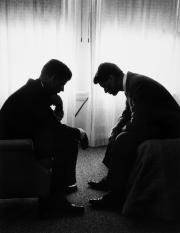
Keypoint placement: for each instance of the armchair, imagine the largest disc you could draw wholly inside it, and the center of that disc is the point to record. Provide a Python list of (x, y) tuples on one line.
[(21, 174), (154, 185)]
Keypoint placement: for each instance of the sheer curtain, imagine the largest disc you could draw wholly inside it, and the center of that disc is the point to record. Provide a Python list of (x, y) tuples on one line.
[(32, 32), (141, 36), (138, 35)]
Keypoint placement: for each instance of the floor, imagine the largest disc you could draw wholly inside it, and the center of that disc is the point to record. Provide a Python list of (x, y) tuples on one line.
[(20, 215)]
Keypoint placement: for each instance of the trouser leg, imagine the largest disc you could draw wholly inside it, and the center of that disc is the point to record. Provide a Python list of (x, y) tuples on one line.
[(123, 156), (107, 156), (70, 163), (64, 167)]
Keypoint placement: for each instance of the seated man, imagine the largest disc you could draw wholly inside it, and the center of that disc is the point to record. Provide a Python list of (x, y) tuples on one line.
[(151, 112), (28, 114)]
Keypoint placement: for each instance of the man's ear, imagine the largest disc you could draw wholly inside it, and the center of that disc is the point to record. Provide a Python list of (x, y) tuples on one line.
[(49, 79), (52, 77), (111, 77)]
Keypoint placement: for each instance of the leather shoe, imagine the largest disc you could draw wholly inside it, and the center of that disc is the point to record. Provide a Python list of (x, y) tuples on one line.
[(72, 209), (52, 209), (102, 185), (107, 202), (84, 141), (71, 188)]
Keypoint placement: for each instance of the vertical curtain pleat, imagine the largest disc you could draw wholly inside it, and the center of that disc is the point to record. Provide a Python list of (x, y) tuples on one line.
[(33, 32), (138, 35), (141, 36)]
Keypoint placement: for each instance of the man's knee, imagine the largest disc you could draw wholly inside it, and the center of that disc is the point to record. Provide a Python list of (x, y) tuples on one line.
[(126, 142), (125, 137)]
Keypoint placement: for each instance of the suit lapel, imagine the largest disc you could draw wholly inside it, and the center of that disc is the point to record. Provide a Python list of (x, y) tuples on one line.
[(131, 79), (128, 81)]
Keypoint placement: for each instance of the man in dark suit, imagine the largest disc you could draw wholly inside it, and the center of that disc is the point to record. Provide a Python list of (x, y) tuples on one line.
[(28, 114), (151, 112)]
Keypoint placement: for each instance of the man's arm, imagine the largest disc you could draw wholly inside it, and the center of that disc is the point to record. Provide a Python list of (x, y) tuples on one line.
[(78, 133), (123, 120), (142, 110), (57, 102)]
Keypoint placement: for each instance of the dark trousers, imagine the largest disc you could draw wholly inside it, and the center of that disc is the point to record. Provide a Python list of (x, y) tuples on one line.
[(64, 167), (121, 155), (58, 150)]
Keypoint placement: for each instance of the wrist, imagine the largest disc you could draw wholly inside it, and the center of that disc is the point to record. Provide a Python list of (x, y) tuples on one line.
[(82, 132)]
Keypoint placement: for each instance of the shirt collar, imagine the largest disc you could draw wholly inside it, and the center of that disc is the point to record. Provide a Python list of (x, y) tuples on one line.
[(42, 84), (124, 82)]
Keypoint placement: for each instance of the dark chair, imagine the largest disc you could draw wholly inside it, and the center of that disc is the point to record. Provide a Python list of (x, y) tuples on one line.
[(154, 185), (21, 174)]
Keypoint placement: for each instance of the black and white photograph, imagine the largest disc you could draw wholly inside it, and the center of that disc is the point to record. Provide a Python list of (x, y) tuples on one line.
[(89, 116)]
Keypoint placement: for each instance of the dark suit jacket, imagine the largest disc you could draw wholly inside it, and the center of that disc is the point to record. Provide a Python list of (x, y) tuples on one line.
[(150, 108), (27, 114)]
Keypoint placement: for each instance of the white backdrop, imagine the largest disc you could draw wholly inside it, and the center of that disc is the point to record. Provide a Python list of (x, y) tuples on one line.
[(138, 35), (141, 36)]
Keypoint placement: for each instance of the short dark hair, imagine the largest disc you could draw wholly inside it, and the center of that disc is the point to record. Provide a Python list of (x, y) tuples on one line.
[(104, 70), (57, 68)]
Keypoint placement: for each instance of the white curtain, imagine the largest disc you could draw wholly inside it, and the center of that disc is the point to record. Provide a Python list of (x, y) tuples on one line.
[(141, 36), (31, 33), (138, 35)]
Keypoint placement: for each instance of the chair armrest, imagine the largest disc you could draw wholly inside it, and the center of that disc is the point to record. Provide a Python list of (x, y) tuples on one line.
[(22, 175), (16, 144)]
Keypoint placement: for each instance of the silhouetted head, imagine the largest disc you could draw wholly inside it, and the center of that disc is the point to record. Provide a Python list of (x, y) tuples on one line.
[(110, 77), (54, 76)]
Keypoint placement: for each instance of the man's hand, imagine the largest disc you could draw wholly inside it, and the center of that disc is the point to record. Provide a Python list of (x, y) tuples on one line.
[(59, 114), (84, 142), (114, 133), (57, 102)]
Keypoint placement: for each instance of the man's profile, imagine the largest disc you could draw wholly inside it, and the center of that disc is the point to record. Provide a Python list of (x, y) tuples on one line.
[(151, 112), (27, 113)]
